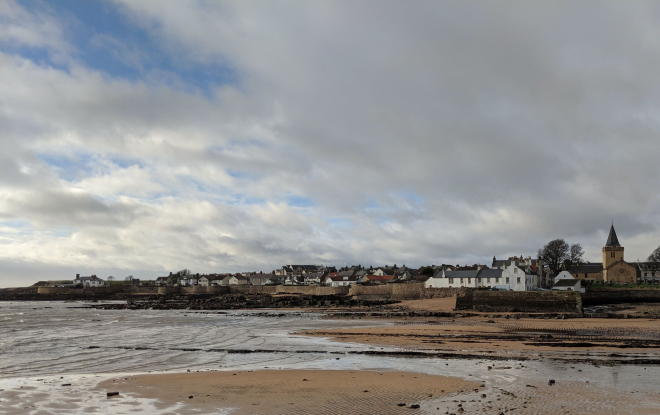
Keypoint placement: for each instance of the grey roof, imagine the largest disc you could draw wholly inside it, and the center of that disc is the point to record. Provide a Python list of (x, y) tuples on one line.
[(490, 273), (345, 273), (92, 278), (314, 275), (457, 274), (566, 283), (304, 267), (590, 268), (612, 240), (500, 263)]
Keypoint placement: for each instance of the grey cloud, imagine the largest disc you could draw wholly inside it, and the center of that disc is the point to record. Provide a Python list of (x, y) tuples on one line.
[(515, 123)]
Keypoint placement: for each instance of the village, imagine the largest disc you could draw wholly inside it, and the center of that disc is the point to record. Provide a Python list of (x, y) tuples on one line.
[(516, 273)]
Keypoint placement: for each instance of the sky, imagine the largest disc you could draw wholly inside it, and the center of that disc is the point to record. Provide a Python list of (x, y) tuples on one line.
[(145, 137)]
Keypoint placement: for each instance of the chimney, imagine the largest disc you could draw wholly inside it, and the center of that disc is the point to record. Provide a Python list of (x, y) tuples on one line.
[(77, 276)]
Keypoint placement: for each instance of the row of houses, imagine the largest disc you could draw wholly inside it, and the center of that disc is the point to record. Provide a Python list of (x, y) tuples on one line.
[(516, 273)]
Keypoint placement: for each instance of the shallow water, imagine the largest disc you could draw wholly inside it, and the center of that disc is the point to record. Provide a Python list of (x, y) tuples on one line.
[(45, 345)]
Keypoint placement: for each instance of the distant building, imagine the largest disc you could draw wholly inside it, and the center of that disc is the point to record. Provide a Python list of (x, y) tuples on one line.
[(568, 285), (260, 279), (234, 280), (514, 277), (376, 279), (91, 281), (613, 270)]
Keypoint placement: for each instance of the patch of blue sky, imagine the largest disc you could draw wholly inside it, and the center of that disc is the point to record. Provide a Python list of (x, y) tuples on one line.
[(372, 203), (69, 167), (109, 41), (239, 174), (298, 201), (406, 194), (125, 162), (15, 223)]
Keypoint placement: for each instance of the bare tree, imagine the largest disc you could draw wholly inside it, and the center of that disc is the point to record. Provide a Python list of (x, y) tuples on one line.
[(553, 255), (576, 254), (110, 278), (184, 272), (654, 260), (129, 278)]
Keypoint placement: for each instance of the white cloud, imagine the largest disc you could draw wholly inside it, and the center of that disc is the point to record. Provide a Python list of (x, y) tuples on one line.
[(355, 132)]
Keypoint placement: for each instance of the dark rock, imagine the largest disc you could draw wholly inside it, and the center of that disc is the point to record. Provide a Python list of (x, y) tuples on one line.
[(66, 384), (401, 404), (109, 394), (551, 382), (414, 406), (190, 397)]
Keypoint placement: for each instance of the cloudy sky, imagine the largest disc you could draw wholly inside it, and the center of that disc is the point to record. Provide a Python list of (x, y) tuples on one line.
[(143, 137)]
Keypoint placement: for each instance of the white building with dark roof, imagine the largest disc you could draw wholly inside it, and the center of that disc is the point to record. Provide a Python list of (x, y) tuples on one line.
[(91, 281)]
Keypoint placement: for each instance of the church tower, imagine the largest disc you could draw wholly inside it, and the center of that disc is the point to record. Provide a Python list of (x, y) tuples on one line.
[(612, 251)]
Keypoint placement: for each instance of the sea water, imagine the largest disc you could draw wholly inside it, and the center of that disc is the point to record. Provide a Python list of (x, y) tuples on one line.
[(45, 345)]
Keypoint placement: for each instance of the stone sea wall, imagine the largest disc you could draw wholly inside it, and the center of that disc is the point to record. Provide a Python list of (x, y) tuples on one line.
[(520, 301), (410, 291), (619, 296)]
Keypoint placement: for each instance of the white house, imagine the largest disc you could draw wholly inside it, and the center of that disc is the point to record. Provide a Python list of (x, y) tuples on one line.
[(564, 275), (209, 280), (92, 281), (313, 278), (512, 276), (568, 285), (234, 280), (453, 279), (260, 279), (340, 281), (516, 277)]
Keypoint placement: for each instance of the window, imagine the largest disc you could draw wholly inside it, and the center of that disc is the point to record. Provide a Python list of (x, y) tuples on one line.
[(507, 280), (518, 280), (488, 280), (451, 280), (515, 270), (468, 280), (461, 280)]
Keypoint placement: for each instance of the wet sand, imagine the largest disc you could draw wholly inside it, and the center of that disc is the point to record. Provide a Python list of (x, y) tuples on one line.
[(289, 391), (369, 392), (504, 336)]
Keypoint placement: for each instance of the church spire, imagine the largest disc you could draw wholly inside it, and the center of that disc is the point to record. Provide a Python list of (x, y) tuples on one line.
[(612, 240)]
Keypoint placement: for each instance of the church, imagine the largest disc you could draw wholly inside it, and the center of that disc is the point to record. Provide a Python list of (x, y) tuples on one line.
[(613, 270)]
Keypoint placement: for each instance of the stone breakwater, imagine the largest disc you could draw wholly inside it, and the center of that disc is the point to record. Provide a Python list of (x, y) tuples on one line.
[(241, 301)]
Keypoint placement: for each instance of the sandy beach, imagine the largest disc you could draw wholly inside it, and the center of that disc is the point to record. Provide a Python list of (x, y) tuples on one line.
[(504, 336), (369, 392), (290, 391)]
